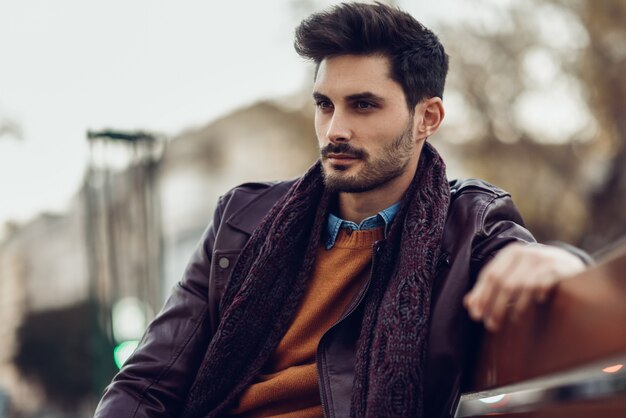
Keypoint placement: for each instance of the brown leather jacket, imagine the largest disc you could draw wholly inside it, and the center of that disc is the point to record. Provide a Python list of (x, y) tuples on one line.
[(155, 380)]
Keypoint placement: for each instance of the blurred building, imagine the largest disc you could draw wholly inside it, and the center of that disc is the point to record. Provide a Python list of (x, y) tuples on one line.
[(127, 236)]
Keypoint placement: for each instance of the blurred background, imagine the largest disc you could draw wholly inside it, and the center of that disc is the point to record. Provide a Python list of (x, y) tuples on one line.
[(122, 122)]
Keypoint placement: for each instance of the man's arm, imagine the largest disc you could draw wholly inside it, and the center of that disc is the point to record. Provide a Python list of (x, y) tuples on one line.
[(519, 275), (155, 379)]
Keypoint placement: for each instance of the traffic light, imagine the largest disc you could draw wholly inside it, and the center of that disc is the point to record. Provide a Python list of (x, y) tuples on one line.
[(129, 322)]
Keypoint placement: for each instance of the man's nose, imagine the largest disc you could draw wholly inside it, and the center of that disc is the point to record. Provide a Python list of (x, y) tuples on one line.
[(338, 129)]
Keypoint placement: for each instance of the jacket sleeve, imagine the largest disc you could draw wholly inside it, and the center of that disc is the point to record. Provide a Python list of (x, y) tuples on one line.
[(155, 380), (501, 224)]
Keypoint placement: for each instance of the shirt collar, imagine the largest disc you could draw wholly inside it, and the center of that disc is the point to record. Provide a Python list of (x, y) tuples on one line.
[(334, 224)]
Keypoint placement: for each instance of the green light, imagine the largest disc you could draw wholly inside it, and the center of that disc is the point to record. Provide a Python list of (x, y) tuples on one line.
[(123, 350)]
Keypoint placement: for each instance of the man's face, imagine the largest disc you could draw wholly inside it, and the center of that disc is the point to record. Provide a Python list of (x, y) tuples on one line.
[(363, 126)]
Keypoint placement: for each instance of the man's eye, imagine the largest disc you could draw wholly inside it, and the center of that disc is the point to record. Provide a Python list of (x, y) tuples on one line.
[(324, 104), (364, 105)]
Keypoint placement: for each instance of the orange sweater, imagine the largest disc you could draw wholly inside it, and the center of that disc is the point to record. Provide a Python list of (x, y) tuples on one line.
[(287, 386)]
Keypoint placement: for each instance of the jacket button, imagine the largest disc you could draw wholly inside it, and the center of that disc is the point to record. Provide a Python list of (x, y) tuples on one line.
[(224, 262)]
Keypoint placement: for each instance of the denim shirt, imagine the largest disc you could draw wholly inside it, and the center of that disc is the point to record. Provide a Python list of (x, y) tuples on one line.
[(334, 224)]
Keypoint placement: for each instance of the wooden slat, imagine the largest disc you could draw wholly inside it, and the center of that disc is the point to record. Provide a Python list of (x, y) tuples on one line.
[(584, 321)]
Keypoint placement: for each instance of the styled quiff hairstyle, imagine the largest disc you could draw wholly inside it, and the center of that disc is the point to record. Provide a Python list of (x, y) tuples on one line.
[(418, 61)]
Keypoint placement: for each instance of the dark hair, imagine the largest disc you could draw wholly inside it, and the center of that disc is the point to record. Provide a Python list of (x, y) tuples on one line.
[(418, 61)]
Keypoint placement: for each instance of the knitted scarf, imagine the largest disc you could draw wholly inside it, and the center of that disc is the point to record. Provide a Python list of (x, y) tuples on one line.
[(271, 275)]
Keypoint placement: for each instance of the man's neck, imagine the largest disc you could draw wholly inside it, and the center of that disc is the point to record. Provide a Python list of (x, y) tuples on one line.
[(356, 206)]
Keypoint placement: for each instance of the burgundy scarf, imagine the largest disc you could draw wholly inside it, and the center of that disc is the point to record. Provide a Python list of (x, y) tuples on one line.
[(270, 278)]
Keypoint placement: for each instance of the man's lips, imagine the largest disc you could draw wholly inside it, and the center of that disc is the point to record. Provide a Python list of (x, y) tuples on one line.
[(341, 157)]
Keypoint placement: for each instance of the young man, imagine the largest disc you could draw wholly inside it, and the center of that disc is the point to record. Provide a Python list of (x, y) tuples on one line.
[(342, 293)]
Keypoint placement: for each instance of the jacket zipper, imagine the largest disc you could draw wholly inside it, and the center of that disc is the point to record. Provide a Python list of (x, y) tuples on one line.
[(320, 355)]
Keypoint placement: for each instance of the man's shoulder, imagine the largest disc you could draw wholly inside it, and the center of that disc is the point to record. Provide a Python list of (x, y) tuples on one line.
[(477, 202), (243, 206), (476, 199), (251, 190), (461, 187)]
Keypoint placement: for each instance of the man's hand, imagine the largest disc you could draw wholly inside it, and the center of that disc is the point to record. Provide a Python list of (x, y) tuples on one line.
[(519, 275)]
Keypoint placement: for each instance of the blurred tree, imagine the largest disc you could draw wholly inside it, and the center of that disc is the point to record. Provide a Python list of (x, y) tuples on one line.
[(604, 70), (540, 91)]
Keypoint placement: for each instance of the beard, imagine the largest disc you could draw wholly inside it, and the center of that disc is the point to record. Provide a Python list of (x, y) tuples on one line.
[(374, 172)]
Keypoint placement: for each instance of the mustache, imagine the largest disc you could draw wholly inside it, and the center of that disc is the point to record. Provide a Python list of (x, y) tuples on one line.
[(342, 148)]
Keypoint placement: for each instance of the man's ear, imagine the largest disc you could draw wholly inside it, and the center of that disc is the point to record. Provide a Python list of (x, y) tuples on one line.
[(429, 114)]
